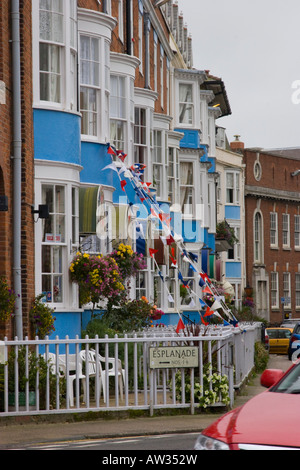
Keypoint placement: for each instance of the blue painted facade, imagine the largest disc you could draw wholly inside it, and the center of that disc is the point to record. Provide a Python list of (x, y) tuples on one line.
[(57, 136)]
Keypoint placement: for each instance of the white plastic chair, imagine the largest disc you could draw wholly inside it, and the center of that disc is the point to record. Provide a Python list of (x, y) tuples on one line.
[(91, 370), (72, 377), (112, 371)]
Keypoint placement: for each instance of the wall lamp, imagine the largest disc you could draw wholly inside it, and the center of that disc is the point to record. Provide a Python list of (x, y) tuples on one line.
[(296, 173), (43, 211)]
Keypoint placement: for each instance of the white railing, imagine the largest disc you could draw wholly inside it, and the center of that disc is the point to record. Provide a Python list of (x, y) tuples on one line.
[(94, 374)]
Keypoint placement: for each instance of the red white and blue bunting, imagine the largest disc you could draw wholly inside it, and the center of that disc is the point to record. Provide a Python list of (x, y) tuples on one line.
[(132, 176)]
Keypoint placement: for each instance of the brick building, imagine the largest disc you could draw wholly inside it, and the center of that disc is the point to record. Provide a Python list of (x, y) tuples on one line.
[(16, 140), (272, 211), (93, 73)]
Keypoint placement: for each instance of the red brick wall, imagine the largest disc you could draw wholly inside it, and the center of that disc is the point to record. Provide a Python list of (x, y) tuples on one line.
[(6, 151), (276, 176)]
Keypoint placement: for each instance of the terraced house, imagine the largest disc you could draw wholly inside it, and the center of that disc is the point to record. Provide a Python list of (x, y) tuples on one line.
[(116, 105)]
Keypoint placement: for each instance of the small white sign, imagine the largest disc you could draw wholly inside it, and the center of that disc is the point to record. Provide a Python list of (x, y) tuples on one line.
[(170, 357)]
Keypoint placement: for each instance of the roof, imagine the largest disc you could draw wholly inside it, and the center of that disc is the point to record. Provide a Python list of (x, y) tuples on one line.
[(292, 152), (217, 86)]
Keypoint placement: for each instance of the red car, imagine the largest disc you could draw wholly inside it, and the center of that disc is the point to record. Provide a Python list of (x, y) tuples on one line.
[(270, 421)]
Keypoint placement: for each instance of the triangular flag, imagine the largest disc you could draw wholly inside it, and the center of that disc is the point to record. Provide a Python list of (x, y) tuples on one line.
[(208, 312), (192, 304), (216, 305), (180, 326), (203, 321), (170, 299), (122, 156), (152, 252), (112, 166), (207, 290), (123, 184), (170, 240), (205, 277), (111, 150), (202, 303)]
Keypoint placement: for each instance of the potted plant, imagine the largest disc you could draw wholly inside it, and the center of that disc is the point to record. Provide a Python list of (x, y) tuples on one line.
[(42, 318), (226, 235), (36, 366)]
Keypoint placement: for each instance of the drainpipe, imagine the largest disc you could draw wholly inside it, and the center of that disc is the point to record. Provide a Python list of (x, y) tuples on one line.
[(128, 28), (147, 59), (17, 164)]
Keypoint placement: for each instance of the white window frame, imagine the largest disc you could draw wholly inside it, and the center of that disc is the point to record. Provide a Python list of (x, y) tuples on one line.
[(140, 135), (297, 232), (173, 175), (274, 290), (258, 238), (233, 189), (190, 104), (67, 57), (297, 290), (158, 159), (120, 118), (274, 229), (234, 254), (91, 88), (287, 289), (121, 20), (286, 234), (190, 187)]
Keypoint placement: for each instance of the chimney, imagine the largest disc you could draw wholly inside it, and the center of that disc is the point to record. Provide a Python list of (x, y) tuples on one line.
[(237, 145)]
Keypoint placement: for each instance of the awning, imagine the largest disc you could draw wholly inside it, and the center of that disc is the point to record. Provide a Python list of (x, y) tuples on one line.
[(88, 209)]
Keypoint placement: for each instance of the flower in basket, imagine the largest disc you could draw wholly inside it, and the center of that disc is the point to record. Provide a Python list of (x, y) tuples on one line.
[(129, 261), (98, 277), (41, 316), (156, 313), (7, 300)]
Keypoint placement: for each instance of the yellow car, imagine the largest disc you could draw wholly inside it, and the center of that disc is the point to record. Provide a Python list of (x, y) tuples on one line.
[(279, 339)]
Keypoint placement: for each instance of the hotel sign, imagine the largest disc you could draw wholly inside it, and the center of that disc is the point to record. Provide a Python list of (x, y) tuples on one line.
[(172, 357)]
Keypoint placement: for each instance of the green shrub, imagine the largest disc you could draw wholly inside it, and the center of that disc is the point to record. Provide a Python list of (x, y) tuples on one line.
[(261, 357)]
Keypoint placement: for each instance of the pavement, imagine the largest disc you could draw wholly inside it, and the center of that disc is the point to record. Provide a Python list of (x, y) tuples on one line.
[(24, 431)]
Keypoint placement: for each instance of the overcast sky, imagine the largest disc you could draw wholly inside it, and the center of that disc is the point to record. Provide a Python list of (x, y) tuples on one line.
[(254, 46)]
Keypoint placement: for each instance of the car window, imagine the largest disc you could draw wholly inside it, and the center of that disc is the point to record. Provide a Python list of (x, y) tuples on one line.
[(273, 334), (297, 329), (291, 383)]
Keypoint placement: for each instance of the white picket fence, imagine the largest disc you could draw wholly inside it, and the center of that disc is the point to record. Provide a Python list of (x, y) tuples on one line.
[(107, 374)]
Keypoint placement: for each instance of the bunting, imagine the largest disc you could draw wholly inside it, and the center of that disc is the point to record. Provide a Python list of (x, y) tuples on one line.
[(134, 175)]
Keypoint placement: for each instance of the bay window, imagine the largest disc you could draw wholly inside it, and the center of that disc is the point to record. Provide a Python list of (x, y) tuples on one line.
[(51, 48), (173, 175), (187, 188), (55, 52), (90, 84), (118, 111), (140, 136), (53, 243), (186, 106), (158, 162)]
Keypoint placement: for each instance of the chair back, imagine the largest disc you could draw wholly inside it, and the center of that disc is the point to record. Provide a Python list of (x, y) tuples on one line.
[(90, 362)]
